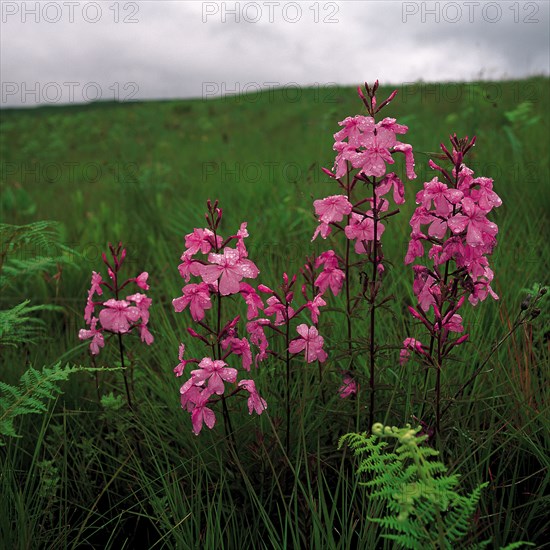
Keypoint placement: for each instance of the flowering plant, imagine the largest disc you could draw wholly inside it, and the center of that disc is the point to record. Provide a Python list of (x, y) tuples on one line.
[(365, 150), (460, 237), (120, 316), (219, 269)]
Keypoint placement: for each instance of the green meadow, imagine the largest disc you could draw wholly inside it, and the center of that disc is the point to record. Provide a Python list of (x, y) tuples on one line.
[(89, 473)]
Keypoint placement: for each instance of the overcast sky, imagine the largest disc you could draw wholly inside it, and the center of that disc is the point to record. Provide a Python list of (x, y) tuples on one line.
[(63, 52)]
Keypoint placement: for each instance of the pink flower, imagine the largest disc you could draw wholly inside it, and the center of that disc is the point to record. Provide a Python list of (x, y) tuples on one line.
[(415, 249), (372, 160), (322, 229), (230, 268), (482, 289), (141, 280), (117, 316), (349, 387), (255, 402), (189, 395), (197, 297), (240, 347), (277, 308), (354, 127), (406, 149), (253, 301), (96, 336), (389, 181), (328, 259), (485, 197), (472, 219), (242, 234), (345, 151), (201, 413), (142, 303), (425, 287), (314, 306), (95, 288), (311, 342), (97, 281), (333, 278), (443, 198), (200, 239), (257, 336), (410, 344), (145, 335), (420, 216), (215, 371), (189, 267), (361, 229), (178, 370), (332, 209)]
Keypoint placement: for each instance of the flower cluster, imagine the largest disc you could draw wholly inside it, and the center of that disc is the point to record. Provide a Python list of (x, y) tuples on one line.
[(282, 309), (365, 150), (116, 316), (219, 269), (452, 219), (365, 147)]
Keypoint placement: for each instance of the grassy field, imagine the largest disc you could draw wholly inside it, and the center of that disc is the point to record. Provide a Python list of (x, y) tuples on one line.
[(141, 173)]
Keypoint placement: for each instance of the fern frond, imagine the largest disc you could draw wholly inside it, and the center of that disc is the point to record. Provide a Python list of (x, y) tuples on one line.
[(19, 324), (424, 510), (35, 388)]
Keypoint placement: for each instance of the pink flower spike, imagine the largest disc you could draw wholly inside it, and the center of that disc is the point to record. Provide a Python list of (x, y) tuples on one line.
[(141, 280), (311, 342), (255, 402)]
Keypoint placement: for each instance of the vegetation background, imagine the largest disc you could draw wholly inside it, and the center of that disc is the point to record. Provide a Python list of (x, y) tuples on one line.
[(140, 173)]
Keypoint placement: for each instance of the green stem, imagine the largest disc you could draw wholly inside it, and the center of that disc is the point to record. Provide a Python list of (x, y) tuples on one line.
[(372, 350), (126, 385), (287, 360)]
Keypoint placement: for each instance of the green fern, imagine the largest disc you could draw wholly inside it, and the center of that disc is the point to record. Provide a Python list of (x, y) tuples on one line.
[(26, 250), (19, 325), (36, 387), (424, 509)]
